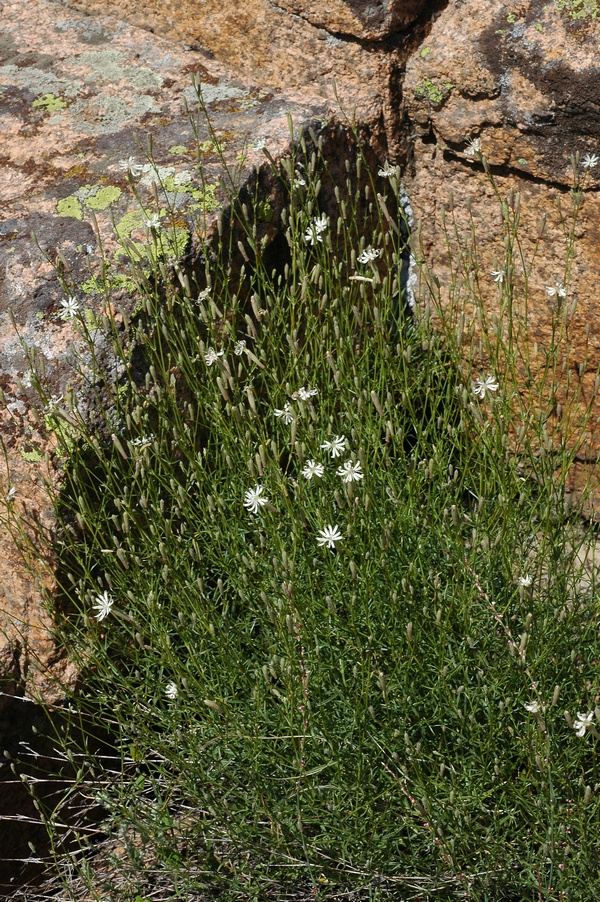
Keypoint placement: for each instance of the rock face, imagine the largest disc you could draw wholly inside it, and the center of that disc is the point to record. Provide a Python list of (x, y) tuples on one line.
[(523, 78), (521, 81), (363, 20), (264, 42)]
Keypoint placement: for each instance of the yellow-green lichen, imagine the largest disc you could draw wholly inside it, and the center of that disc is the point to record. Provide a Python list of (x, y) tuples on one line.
[(66, 435), (97, 285), (70, 206), (94, 197), (171, 241), (206, 199), (101, 197), (93, 285), (436, 94), (579, 9), (212, 146), (50, 103), (425, 52), (129, 222), (177, 184), (175, 242), (32, 457), (178, 148), (264, 211)]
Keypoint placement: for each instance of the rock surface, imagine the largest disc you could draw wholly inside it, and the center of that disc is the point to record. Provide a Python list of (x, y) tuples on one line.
[(520, 81), (263, 41), (368, 21)]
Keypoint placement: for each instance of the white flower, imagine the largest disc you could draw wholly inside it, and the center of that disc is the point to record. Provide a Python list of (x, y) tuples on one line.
[(52, 404), (473, 147), (329, 536), (11, 494), (305, 393), (253, 499), (498, 274), (239, 348), (315, 230), (171, 690), (368, 255), (582, 723), (260, 144), (557, 289), (286, 414), (387, 171), (142, 440), (313, 468), (202, 295), (298, 181), (131, 166), (71, 307), (212, 356), (590, 161), (336, 446), (534, 707), (152, 222), (103, 605), (350, 471), (525, 581), (480, 386)]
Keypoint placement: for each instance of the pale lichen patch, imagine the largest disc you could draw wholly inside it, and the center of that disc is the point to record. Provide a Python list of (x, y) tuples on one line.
[(107, 66)]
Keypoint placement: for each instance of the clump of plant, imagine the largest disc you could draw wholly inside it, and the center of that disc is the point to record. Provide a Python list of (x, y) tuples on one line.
[(333, 614)]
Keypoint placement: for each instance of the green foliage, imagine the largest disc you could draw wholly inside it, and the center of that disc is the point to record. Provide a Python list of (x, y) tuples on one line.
[(383, 717), (264, 211)]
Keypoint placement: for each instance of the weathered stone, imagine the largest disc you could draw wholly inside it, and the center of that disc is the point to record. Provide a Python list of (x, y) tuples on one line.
[(522, 78), (522, 81), (263, 42), (369, 21)]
